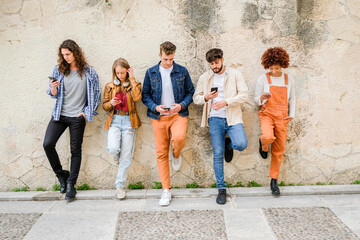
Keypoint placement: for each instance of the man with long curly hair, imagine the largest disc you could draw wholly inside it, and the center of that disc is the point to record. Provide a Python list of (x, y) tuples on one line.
[(75, 86), (275, 94)]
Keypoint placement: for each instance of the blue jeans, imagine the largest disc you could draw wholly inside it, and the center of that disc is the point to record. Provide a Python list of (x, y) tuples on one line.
[(121, 139), (218, 128)]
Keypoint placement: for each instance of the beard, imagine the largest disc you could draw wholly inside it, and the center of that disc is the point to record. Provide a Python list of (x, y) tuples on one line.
[(220, 69)]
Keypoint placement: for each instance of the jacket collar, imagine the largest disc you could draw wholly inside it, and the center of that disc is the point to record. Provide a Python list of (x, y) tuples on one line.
[(176, 68)]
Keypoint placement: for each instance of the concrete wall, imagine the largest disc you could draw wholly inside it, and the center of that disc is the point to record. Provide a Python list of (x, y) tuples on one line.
[(322, 38)]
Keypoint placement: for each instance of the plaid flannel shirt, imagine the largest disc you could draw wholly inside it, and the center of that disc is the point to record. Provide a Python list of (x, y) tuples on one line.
[(92, 90)]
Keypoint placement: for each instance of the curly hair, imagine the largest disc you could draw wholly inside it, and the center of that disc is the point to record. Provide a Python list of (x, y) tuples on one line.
[(80, 61), (275, 56)]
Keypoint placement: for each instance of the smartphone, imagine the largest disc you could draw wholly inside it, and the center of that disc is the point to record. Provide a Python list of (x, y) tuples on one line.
[(52, 79), (166, 108), (214, 89)]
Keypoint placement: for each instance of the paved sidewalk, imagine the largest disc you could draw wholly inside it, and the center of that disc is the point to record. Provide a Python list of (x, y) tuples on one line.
[(307, 212)]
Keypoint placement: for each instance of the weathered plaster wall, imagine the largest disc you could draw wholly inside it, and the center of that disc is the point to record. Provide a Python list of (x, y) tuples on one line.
[(322, 38)]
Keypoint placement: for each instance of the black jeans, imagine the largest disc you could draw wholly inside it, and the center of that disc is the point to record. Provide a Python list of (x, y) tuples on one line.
[(53, 132)]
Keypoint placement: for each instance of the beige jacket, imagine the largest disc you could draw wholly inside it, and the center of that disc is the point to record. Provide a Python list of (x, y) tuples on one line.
[(235, 92)]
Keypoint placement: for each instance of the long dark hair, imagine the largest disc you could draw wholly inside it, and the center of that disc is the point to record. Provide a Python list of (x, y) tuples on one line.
[(80, 61)]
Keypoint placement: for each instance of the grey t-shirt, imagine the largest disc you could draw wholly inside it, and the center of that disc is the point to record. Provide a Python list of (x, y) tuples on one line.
[(74, 94)]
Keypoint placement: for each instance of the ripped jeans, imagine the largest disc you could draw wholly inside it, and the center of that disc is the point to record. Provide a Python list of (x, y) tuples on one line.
[(121, 140)]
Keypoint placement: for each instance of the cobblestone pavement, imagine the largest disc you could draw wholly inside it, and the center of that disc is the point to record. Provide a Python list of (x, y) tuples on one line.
[(318, 223), (207, 224), (16, 225)]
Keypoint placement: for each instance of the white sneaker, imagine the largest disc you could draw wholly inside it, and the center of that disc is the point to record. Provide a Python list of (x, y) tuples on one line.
[(120, 193), (165, 198), (176, 162)]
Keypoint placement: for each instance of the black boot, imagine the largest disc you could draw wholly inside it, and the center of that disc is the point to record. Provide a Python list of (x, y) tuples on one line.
[(221, 197), (229, 152), (62, 179), (263, 154), (70, 191), (275, 191)]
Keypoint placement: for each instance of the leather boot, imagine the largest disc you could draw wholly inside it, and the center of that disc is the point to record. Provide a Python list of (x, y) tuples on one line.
[(62, 179), (275, 191), (263, 154), (221, 197), (70, 191), (229, 152)]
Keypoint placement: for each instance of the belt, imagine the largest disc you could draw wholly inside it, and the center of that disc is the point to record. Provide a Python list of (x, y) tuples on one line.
[(120, 112)]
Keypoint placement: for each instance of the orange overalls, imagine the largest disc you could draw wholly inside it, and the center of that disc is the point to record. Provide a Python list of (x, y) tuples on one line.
[(273, 124)]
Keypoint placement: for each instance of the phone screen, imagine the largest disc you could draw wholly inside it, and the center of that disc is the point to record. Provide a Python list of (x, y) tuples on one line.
[(52, 79), (214, 89)]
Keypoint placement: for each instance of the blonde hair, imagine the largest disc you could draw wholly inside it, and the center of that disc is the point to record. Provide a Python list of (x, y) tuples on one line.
[(122, 63)]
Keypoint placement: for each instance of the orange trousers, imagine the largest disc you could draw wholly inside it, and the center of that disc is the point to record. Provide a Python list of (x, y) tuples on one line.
[(273, 131), (176, 125)]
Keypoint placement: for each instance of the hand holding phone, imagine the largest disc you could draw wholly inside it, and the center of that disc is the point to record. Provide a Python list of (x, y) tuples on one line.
[(52, 79), (214, 89), (54, 84), (166, 108)]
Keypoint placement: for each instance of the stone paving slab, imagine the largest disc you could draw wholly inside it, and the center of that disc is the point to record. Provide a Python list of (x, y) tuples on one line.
[(16, 225), (337, 189), (95, 195), (272, 202), (154, 193), (74, 225), (186, 204), (26, 206), (48, 196), (246, 224), (307, 223), (191, 224), (194, 192), (98, 206), (350, 200), (17, 196), (350, 216)]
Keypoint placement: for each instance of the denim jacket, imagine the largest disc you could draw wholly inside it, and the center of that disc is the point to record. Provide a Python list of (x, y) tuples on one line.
[(152, 89)]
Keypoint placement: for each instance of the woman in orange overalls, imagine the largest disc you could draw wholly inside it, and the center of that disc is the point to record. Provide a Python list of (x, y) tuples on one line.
[(275, 94)]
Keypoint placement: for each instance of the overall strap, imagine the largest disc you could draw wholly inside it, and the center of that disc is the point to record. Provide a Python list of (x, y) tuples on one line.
[(286, 79), (268, 78)]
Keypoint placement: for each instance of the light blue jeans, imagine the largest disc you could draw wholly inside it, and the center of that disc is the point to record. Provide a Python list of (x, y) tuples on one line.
[(218, 128), (121, 140)]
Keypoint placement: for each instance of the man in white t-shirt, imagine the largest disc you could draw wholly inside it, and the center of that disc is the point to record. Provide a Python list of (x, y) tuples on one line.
[(167, 92), (222, 90)]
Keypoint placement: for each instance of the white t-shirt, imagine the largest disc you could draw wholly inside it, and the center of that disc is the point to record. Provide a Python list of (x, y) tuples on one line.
[(167, 94), (218, 81), (262, 86)]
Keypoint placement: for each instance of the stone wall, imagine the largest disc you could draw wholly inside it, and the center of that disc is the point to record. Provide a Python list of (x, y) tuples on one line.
[(322, 38)]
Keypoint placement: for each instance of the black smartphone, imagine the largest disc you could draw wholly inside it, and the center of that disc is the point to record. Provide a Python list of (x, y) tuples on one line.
[(52, 79), (166, 108), (214, 89)]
